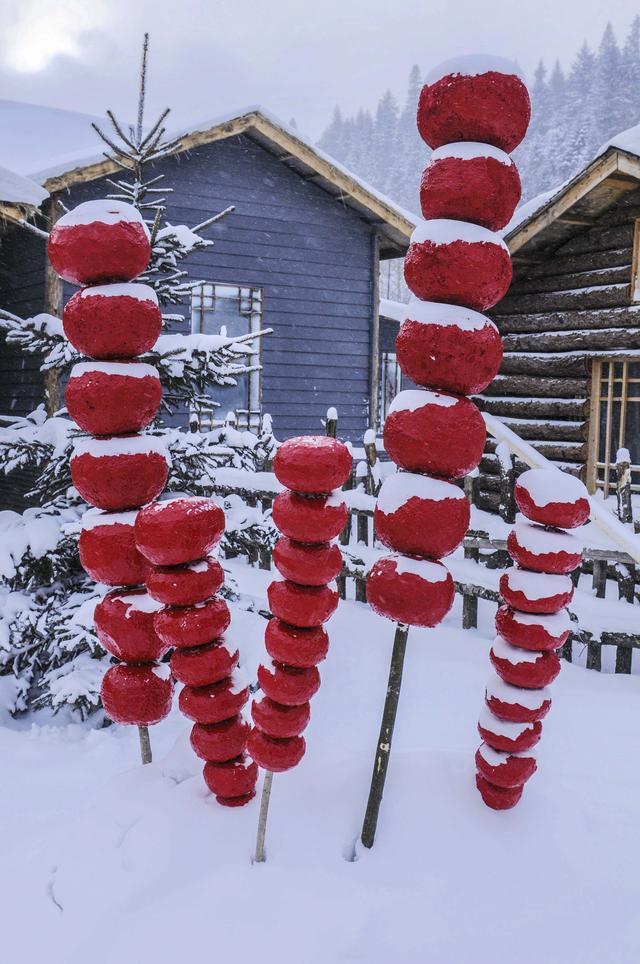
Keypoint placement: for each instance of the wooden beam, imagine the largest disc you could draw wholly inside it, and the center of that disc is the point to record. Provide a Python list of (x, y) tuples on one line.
[(374, 373)]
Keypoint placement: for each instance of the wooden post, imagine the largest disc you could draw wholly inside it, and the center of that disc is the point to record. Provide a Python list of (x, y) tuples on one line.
[(372, 486), (507, 463), (261, 855), (600, 577), (145, 744), (623, 485), (53, 306), (331, 425), (385, 738)]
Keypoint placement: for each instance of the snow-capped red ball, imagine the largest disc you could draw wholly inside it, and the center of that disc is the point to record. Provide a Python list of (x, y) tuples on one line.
[(275, 755), (505, 769), (119, 473), (509, 702), (177, 531), (552, 498), (194, 625), (137, 695), (418, 592), (233, 780), (113, 321), (220, 741), (469, 181), (535, 592), (212, 704), (430, 432), (294, 645), (124, 621), (543, 550), (475, 98), (290, 685), (459, 263), (498, 798), (421, 516), (507, 736), (316, 518), (113, 398), (522, 667), (308, 565), (100, 241), (108, 551), (533, 631), (203, 665), (303, 606), (185, 585), (312, 463), (448, 347), (280, 721)]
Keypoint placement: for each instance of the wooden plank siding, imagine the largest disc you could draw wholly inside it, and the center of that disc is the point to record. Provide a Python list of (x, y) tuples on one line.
[(314, 259), (563, 310)]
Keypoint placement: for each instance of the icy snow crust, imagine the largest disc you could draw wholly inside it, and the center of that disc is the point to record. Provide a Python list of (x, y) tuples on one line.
[(121, 289), (540, 541), (446, 231), (468, 150), (553, 623), (470, 65), (104, 211), (437, 313), (398, 489), (530, 699), (139, 602), (504, 650), (412, 399), (130, 445), (425, 568), (93, 518), (496, 758), (504, 728), (130, 369), (537, 585), (551, 485)]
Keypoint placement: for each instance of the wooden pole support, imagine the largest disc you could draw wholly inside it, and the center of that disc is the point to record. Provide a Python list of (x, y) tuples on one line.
[(261, 856), (385, 738), (145, 744)]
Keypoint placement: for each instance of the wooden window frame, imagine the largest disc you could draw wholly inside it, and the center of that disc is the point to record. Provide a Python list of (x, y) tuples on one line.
[(634, 288), (608, 381)]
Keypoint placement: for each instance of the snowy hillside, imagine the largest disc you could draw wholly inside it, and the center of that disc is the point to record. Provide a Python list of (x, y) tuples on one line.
[(109, 862)]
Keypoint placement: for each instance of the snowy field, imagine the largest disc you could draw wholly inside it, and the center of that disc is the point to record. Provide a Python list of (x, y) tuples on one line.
[(105, 861)]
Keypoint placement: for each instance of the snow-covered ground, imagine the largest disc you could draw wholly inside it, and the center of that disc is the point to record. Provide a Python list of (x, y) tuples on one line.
[(106, 861)]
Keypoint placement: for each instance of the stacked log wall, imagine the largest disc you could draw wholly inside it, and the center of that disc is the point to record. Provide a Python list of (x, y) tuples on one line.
[(564, 309)]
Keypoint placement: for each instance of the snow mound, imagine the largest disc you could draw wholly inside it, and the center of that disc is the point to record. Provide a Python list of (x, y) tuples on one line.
[(530, 699), (470, 65), (104, 211), (437, 313), (130, 369), (411, 399), (398, 489), (545, 486), (537, 585), (121, 289), (446, 231), (468, 150)]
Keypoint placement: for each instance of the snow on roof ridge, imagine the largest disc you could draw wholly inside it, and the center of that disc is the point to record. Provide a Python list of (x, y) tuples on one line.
[(18, 189)]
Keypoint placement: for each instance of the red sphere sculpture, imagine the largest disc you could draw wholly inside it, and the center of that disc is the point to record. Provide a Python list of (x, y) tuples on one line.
[(313, 464), (303, 518), (108, 551), (119, 473), (421, 516), (179, 530), (113, 321), (535, 592), (137, 695), (537, 494), (526, 668), (418, 592), (124, 621), (542, 550), (185, 585), (313, 564), (113, 398)]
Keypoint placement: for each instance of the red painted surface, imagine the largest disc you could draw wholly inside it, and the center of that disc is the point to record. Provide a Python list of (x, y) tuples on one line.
[(564, 515), (406, 597), (278, 720), (220, 741), (493, 108), (303, 606), (307, 564), (532, 637), (528, 675), (424, 527), (544, 605), (309, 518), (480, 189), (117, 482), (95, 253), (107, 404), (446, 357), (498, 798), (110, 327), (476, 275), (135, 695), (126, 632), (515, 712), (109, 555), (233, 778), (295, 646), (559, 563), (446, 441), (525, 741), (186, 628), (514, 772), (275, 755), (182, 586), (212, 704), (179, 531), (203, 665), (289, 685), (312, 463)]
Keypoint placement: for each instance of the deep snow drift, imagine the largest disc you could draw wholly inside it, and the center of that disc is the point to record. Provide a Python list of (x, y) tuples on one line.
[(106, 861)]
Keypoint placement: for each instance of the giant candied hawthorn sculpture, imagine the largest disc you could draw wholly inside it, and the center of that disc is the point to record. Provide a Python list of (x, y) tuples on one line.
[(116, 469), (309, 515), (532, 624), (176, 538), (456, 268)]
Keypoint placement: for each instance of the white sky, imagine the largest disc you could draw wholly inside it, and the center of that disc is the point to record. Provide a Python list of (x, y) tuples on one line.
[(298, 59)]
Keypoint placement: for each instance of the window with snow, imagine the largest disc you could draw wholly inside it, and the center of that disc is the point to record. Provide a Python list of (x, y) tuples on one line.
[(616, 421), (390, 384), (236, 310)]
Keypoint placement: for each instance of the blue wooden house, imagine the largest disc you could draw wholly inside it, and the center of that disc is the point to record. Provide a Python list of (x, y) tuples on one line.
[(300, 255)]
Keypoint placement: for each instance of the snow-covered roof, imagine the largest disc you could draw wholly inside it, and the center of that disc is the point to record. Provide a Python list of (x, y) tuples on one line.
[(33, 137), (16, 189)]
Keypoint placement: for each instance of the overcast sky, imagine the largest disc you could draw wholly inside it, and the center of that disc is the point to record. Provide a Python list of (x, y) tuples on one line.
[(297, 58)]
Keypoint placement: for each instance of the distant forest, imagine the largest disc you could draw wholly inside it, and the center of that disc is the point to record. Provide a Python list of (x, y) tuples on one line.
[(573, 113)]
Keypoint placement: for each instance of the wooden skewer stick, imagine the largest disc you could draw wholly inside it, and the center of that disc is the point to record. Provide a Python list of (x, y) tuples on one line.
[(145, 744), (383, 751), (261, 856)]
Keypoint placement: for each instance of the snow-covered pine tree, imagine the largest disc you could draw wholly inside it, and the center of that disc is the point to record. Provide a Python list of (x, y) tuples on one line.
[(49, 655)]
